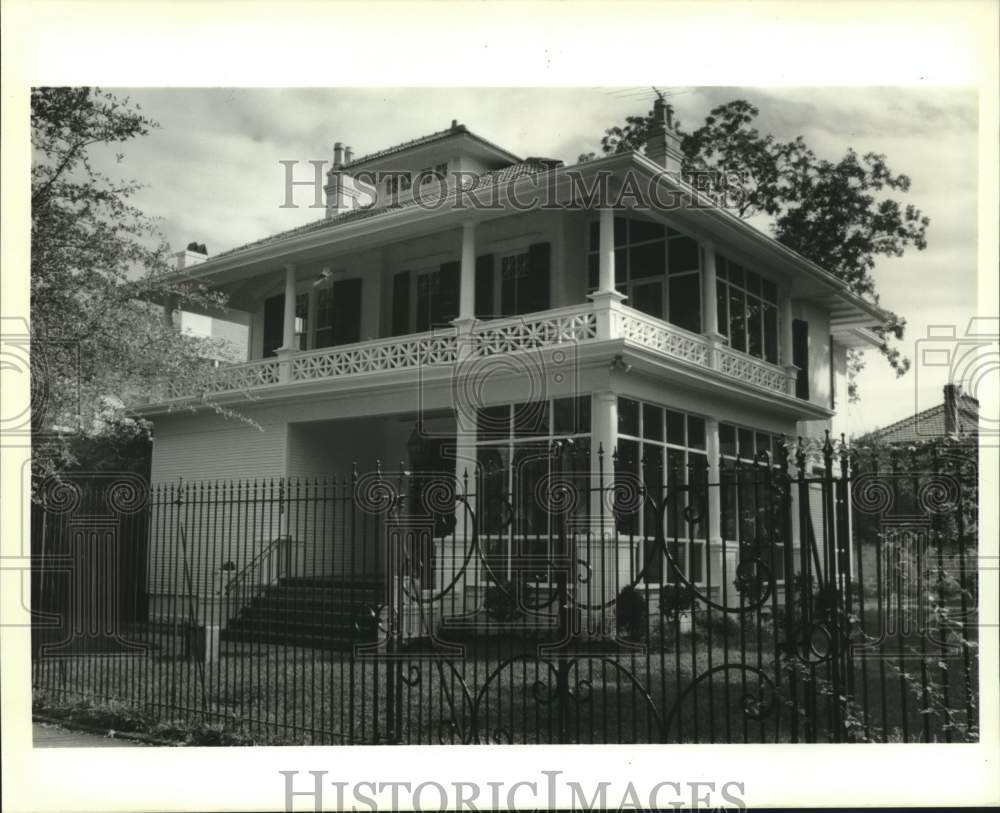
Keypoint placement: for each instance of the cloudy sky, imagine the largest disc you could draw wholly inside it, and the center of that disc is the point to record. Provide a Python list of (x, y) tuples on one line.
[(212, 173)]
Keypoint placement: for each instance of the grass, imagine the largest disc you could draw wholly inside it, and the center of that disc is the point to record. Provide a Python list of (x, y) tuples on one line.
[(499, 690)]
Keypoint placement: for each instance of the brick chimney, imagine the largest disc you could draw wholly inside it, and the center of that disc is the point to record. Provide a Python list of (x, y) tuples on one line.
[(338, 155), (348, 155), (663, 144), (952, 416)]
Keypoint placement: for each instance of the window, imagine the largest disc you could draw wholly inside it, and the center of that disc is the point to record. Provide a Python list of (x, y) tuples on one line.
[(514, 460), (666, 451), (338, 313), (752, 520), (437, 297), (748, 310), (657, 268), (524, 281)]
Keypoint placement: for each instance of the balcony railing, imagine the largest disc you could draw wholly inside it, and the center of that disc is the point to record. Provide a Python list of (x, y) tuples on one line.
[(576, 324)]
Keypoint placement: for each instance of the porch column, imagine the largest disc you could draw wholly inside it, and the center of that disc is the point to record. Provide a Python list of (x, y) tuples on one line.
[(284, 353), (709, 300), (710, 305), (606, 252), (786, 350), (609, 557), (716, 550), (606, 298), (467, 290)]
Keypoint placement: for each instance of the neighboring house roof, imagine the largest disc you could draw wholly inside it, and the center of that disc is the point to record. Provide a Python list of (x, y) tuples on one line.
[(455, 129), (932, 423)]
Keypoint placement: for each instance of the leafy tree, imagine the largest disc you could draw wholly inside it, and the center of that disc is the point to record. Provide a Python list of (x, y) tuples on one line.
[(835, 213), (98, 268)]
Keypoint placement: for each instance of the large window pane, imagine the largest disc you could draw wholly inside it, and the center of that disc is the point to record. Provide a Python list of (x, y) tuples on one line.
[(737, 319), (646, 260), (771, 333), (641, 230), (648, 298), (685, 302), (683, 255), (628, 417), (652, 422), (755, 327)]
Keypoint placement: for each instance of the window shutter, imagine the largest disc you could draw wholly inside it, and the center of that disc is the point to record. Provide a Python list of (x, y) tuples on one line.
[(536, 294), (444, 308), (800, 357), (484, 287), (401, 303), (274, 324), (347, 311)]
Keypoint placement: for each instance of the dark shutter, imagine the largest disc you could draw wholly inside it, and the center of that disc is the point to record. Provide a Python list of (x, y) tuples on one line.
[(484, 287), (401, 303), (274, 324), (444, 307), (536, 293), (800, 357), (347, 311)]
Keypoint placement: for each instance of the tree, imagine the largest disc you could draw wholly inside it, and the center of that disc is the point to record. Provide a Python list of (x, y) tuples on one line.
[(98, 268), (835, 213)]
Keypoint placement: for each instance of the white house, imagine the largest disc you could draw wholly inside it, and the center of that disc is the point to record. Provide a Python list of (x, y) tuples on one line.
[(667, 330)]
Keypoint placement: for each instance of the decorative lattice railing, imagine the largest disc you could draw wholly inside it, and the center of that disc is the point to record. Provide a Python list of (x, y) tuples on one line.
[(384, 355), (577, 324), (535, 330), (751, 370), (637, 327)]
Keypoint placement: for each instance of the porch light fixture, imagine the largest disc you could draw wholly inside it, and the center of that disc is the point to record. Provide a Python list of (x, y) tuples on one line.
[(619, 363)]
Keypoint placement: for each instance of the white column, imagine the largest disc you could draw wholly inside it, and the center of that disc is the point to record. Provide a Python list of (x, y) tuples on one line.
[(467, 296), (288, 337), (606, 299), (786, 350), (716, 551), (284, 353), (709, 301), (606, 249)]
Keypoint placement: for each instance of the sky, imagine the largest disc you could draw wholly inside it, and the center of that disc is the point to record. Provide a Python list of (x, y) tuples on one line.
[(212, 175)]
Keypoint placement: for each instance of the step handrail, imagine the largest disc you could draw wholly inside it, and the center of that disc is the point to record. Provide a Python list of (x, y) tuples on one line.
[(252, 565)]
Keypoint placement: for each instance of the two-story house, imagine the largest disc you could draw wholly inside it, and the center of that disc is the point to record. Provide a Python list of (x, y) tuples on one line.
[(457, 337)]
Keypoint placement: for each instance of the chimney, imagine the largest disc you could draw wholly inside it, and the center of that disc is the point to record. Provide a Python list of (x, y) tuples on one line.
[(952, 418), (663, 144), (194, 254), (348, 155), (338, 155)]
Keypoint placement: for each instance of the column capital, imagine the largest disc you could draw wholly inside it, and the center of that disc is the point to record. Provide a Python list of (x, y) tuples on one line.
[(288, 267)]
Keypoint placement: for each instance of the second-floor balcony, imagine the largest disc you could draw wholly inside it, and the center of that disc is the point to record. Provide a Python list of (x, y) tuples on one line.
[(602, 321)]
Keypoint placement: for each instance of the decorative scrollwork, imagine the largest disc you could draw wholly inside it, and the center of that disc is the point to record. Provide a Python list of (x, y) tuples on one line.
[(374, 494), (939, 495), (128, 494), (60, 496), (871, 494)]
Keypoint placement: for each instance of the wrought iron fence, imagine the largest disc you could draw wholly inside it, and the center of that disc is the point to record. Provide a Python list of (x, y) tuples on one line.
[(826, 597)]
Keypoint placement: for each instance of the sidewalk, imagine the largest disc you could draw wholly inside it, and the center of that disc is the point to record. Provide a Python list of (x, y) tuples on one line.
[(48, 735)]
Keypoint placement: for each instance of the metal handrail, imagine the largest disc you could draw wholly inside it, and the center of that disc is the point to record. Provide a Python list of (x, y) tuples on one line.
[(253, 563)]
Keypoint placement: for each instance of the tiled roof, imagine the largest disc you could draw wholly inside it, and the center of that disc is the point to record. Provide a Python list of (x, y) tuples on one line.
[(927, 424), (455, 129), (532, 166)]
